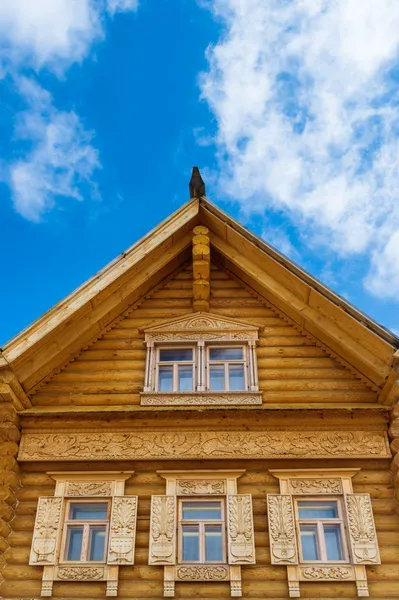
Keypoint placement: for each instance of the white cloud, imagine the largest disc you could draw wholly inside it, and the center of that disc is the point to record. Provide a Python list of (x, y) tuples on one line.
[(302, 94), (51, 35), (62, 158)]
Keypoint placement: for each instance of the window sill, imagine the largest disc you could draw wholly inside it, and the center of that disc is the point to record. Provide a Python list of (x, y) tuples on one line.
[(200, 398)]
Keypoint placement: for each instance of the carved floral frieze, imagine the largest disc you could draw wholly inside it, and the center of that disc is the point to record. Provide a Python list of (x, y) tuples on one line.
[(202, 445), (328, 573), (316, 486), (226, 399), (80, 573), (90, 488), (192, 487), (194, 573)]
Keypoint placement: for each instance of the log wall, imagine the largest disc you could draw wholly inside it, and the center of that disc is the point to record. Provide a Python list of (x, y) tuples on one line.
[(259, 581)]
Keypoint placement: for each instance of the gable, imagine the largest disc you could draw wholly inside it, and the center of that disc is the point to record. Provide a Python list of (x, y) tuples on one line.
[(46, 346), (293, 367)]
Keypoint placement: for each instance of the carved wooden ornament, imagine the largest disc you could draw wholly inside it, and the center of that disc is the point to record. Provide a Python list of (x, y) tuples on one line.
[(122, 530), (283, 548), (45, 534), (163, 530), (362, 533), (240, 529)]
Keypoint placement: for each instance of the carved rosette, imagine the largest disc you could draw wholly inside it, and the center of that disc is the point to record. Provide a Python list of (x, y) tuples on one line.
[(240, 529), (192, 487), (163, 530), (281, 529), (327, 573), (194, 573), (44, 543), (316, 486), (362, 529), (122, 530), (155, 445), (89, 488), (80, 573)]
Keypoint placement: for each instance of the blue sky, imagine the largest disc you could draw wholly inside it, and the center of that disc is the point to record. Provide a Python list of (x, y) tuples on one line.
[(290, 110)]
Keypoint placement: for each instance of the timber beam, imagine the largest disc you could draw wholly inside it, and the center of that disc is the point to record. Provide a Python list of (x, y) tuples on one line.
[(201, 269)]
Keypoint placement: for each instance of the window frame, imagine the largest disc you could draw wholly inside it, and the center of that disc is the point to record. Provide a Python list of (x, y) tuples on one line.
[(226, 364), (202, 523), (320, 522), (175, 365), (87, 525)]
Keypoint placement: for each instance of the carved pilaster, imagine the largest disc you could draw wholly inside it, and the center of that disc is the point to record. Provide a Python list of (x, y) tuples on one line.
[(240, 529), (362, 529), (283, 549), (163, 530), (122, 531)]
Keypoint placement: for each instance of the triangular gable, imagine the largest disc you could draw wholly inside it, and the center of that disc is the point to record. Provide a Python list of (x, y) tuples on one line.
[(49, 342)]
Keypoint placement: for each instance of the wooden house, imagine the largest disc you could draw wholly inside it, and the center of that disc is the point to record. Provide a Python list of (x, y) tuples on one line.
[(201, 419)]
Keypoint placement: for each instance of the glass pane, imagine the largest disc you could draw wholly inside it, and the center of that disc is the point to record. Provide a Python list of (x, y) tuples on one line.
[(185, 379), (317, 510), (216, 377), (332, 535), (202, 510), (176, 355), (213, 543), (74, 543), (166, 379), (190, 539), (309, 542), (226, 353), (236, 377), (89, 511), (97, 543)]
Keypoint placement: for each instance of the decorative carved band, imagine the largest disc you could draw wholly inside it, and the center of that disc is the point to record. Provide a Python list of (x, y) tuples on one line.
[(90, 488), (80, 573), (327, 573), (316, 486), (191, 487), (228, 398), (202, 573), (220, 336), (203, 445)]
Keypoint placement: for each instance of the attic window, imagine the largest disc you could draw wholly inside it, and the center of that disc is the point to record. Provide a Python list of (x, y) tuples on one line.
[(201, 359)]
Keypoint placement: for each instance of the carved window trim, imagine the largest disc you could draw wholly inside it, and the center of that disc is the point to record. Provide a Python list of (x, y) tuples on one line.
[(81, 487), (300, 484), (197, 485), (200, 331)]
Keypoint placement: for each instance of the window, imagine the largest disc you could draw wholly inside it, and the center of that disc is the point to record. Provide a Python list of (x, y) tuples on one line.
[(201, 359), (226, 368), (175, 369), (202, 531), (86, 528), (321, 531)]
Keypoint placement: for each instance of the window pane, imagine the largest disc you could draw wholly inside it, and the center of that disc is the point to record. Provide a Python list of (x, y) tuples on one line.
[(332, 534), (226, 353), (216, 377), (236, 377), (97, 543), (317, 510), (176, 354), (89, 511), (185, 379), (309, 542), (166, 379), (202, 510), (74, 543), (213, 543), (190, 539)]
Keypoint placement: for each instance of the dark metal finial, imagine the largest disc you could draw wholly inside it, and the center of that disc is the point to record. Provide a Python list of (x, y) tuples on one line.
[(196, 185)]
